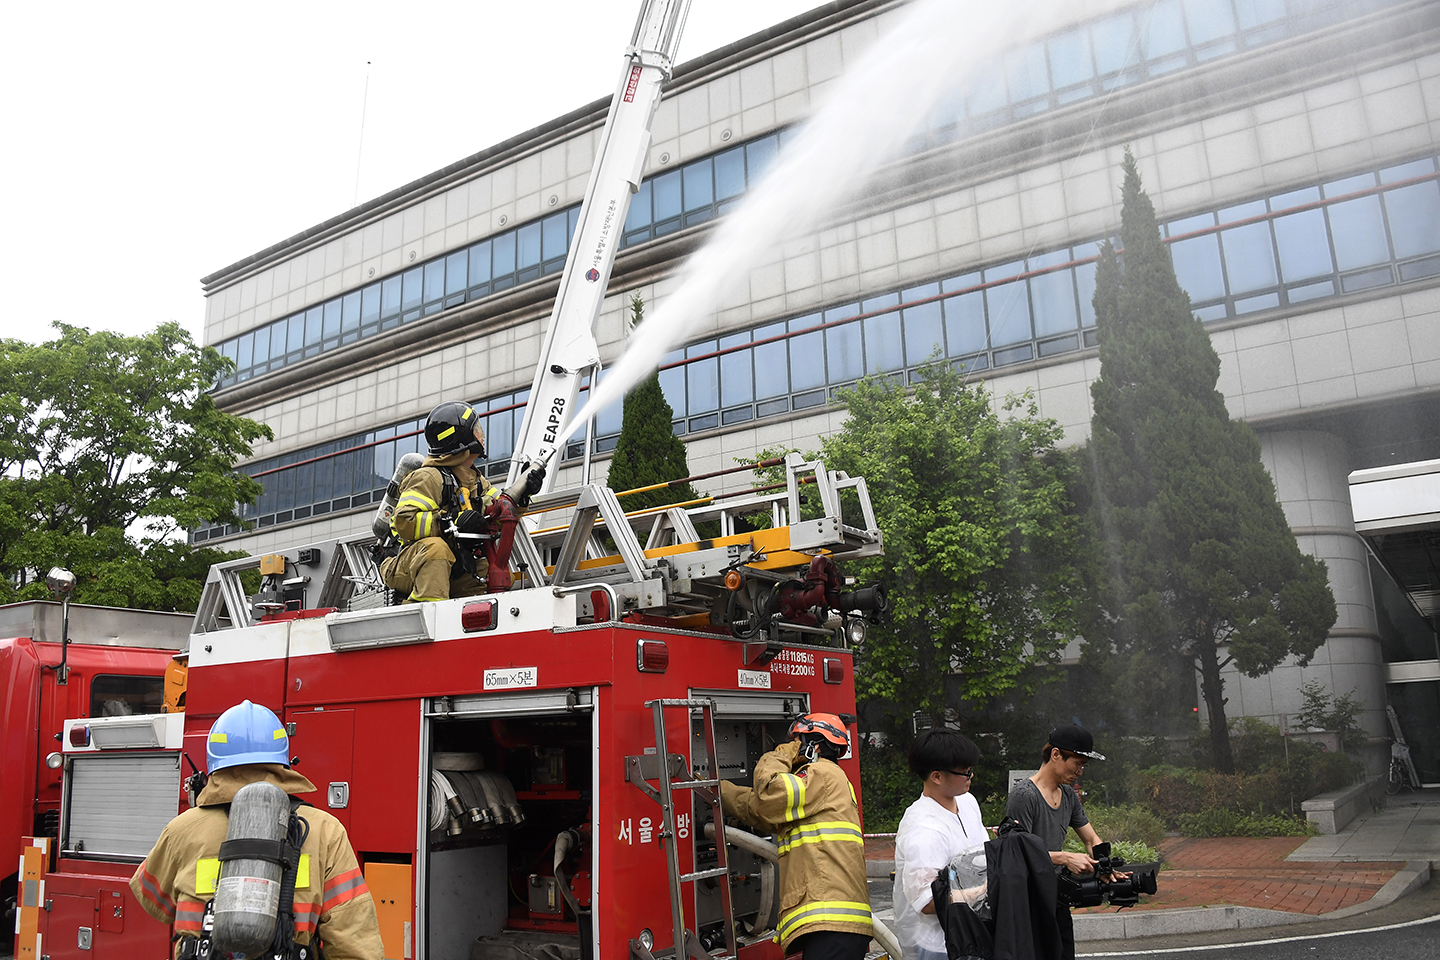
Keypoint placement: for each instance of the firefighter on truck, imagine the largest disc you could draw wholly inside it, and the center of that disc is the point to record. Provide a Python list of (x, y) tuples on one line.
[(447, 495), (251, 870)]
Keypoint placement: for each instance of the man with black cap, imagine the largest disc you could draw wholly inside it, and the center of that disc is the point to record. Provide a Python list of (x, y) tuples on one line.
[(1047, 805)]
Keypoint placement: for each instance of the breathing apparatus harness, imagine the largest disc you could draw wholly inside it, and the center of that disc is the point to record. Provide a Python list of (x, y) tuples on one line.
[(285, 853)]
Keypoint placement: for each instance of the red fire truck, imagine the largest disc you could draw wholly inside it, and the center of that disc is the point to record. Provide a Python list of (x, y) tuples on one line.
[(112, 665), (533, 770)]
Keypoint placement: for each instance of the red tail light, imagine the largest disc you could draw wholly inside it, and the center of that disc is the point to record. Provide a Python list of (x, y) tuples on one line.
[(80, 735), (478, 616), (833, 670), (651, 656)]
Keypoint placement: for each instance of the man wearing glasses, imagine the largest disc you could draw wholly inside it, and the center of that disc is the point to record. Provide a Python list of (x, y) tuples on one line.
[(943, 822)]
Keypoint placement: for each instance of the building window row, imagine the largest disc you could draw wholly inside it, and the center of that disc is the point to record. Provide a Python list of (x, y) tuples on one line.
[(1126, 48), (1087, 61), (1371, 230)]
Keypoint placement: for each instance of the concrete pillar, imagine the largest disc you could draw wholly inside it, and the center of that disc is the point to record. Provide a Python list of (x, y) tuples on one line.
[(1310, 469)]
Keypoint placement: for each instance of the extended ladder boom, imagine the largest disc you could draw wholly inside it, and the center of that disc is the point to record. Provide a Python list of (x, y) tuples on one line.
[(570, 351)]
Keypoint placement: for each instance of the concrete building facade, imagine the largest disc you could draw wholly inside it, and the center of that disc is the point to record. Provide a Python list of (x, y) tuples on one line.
[(1290, 148)]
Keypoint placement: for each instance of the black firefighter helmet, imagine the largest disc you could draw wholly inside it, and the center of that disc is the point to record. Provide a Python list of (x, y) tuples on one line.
[(452, 427)]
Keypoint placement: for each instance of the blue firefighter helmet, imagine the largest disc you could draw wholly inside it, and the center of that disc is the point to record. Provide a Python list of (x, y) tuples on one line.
[(246, 733)]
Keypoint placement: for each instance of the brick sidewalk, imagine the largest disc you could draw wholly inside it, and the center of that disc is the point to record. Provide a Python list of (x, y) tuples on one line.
[(1242, 872), (1246, 872)]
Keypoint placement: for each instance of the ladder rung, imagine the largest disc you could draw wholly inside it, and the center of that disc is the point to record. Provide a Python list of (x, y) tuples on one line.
[(702, 874), (692, 784)]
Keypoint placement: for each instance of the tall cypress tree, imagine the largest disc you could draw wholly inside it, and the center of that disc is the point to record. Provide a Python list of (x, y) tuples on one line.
[(648, 451), (1201, 561)]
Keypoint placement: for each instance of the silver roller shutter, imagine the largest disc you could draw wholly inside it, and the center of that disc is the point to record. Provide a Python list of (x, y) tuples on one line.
[(118, 805)]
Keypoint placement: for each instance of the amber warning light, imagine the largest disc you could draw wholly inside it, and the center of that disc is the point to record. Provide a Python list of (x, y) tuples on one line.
[(651, 656)]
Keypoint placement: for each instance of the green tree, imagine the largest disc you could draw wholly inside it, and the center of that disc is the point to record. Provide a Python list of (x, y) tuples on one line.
[(1199, 556), (981, 543), (110, 447), (648, 452)]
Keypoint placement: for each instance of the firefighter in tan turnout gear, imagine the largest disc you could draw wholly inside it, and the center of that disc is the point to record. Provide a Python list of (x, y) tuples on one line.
[(203, 879), (443, 504), (803, 797)]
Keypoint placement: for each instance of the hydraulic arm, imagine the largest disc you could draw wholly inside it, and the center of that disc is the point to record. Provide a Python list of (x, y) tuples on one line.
[(570, 351)]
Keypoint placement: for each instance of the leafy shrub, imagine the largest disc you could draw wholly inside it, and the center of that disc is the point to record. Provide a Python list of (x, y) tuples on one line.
[(1329, 712), (1126, 822), (887, 786), (1225, 823)]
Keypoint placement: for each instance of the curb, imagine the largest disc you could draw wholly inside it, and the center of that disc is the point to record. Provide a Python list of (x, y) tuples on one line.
[(1154, 923)]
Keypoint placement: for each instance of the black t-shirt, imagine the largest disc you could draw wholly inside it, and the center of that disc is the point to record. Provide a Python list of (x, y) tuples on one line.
[(1026, 805)]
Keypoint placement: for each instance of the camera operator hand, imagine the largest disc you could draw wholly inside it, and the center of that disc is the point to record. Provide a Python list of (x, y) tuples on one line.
[(1074, 862)]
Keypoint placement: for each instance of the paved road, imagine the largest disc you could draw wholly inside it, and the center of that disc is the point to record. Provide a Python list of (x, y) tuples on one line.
[(1412, 940)]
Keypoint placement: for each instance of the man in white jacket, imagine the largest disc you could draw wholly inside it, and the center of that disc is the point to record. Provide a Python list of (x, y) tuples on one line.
[(943, 822)]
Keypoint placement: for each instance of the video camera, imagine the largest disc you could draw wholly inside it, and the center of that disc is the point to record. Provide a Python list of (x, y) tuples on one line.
[(1093, 889)]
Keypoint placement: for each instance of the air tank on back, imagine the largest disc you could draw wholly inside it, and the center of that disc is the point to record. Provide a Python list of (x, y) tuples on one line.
[(380, 526), (247, 896)]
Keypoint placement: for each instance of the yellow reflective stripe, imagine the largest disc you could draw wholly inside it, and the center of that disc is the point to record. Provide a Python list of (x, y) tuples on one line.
[(816, 911), (302, 875), (218, 738), (794, 796), (423, 523), (416, 599), (821, 832), (466, 415), (416, 498), (444, 433), (279, 735), (207, 871)]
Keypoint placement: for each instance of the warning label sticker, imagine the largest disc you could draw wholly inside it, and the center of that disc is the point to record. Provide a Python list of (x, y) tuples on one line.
[(755, 679), (247, 895), (513, 678)]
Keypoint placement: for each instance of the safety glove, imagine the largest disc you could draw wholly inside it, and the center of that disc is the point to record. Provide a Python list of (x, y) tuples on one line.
[(471, 521)]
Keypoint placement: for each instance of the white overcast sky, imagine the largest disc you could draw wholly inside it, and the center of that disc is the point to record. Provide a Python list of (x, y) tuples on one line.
[(146, 145)]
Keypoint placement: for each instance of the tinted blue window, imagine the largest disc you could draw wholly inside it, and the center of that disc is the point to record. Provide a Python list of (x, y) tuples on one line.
[(1069, 56), (807, 355), (1009, 311), (412, 289), (350, 317), (1164, 31), (554, 239), (965, 323), (672, 383), (528, 245), (1053, 297), (736, 382), (924, 326), (457, 272), (332, 320), (262, 345), (480, 263), (610, 419), (772, 368), (699, 185), (1254, 13), (884, 346), (1304, 245), (390, 297), (503, 247), (758, 157), (1249, 259), (639, 215), (243, 353), (730, 173), (1114, 41), (1414, 219), (434, 281), (702, 379), (295, 337), (500, 435), (314, 322), (1027, 74), (1358, 232), (370, 303), (667, 196), (1085, 288), (844, 353), (1209, 20), (1197, 267), (987, 94)]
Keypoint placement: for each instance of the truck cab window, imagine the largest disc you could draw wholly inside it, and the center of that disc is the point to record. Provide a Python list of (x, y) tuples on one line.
[(122, 696)]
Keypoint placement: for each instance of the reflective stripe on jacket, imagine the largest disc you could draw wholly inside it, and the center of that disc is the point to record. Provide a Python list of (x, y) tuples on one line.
[(176, 878), (813, 813), (421, 512)]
